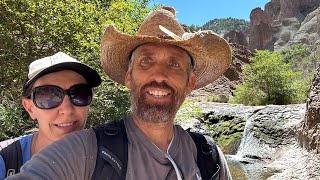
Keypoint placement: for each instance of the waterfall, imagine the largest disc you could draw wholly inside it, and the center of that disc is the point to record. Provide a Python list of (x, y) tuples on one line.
[(251, 146), (248, 143)]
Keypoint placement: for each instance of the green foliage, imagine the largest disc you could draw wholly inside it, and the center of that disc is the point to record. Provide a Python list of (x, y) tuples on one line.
[(227, 133), (213, 98), (31, 29), (34, 29), (223, 25), (268, 80), (302, 58), (295, 53), (248, 94), (218, 98), (301, 86), (193, 28), (13, 118), (111, 102), (127, 16)]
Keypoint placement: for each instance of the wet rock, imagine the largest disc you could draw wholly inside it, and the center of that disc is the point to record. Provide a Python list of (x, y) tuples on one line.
[(262, 139), (293, 162)]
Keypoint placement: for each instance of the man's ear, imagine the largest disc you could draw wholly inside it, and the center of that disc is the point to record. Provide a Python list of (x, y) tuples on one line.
[(191, 84), (127, 80), (28, 106)]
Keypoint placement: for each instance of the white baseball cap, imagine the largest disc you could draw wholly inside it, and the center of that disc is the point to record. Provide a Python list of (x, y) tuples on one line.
[(58, 62)]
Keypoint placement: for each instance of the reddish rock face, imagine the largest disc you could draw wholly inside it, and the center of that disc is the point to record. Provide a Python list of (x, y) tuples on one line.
[(258, 16), (282, 23), (237, 37), (289, 8), (260, 31), (281, 9), (309, 131)]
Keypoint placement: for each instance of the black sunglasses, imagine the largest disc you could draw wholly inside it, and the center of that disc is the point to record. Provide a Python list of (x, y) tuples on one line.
[(49, 97)]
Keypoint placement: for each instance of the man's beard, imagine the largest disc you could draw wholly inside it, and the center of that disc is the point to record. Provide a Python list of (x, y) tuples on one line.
[(155, 112)]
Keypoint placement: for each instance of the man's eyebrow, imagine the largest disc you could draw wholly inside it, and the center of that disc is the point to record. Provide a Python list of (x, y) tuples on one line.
[(143, 53)]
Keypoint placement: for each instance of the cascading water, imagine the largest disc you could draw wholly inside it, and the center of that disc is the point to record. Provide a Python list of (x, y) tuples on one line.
[(250, 152), (248, 142)]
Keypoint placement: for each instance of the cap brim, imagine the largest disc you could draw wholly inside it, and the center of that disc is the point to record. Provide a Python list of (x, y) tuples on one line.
[(92, 77)]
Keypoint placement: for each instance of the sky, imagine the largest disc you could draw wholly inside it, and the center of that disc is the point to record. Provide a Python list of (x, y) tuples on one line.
[(201, 11)]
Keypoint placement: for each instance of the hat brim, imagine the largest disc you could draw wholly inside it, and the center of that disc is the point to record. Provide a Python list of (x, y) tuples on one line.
[(92, 77), (211, 53)]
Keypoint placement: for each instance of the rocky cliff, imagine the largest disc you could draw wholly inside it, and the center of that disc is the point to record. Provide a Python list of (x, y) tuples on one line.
[(222, 88), (309, 131), (284, 22)]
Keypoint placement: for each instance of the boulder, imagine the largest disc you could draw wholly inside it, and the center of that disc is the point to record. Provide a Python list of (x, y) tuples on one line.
[(309, 131), (309, 32)]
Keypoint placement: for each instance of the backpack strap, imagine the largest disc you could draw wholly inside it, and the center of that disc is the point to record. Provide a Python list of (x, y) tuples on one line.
[(112, 153), (207, 156), (12, 156), (112, 156)]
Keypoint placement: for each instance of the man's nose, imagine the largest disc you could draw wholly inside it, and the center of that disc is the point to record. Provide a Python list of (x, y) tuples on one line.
[(160, 73)]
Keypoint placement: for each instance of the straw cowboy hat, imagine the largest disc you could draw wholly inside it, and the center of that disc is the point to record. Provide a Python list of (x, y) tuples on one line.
[(210, 53)]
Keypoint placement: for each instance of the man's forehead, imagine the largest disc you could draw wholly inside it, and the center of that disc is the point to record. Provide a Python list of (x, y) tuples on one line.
[(150, 48)]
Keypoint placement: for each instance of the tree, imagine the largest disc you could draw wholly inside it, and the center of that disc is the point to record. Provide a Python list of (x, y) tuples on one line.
[(193, 28), (267, 80), (32, 29), (294, 54)]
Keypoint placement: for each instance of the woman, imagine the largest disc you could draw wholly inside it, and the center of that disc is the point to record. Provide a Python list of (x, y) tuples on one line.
[(57, 94)]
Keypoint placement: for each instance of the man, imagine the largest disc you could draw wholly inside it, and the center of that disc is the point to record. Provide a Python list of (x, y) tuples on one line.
[(161, 65)]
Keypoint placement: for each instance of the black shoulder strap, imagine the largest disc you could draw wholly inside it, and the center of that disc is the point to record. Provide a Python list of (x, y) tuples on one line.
[(112, 151), (208, 157), (12, 156)]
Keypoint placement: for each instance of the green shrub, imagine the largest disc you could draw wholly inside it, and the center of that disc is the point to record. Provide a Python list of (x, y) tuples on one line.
[(248, 95), (302, 58), (295, 53), (267, 80), (111, 101), (218, 98), (14, 120), (301, 86)]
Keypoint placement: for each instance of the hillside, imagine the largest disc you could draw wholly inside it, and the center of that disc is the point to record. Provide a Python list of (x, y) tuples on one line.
[(224, 25)]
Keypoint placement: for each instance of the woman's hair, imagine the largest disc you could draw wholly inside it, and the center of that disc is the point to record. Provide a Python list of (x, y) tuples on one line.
[(26, 89)]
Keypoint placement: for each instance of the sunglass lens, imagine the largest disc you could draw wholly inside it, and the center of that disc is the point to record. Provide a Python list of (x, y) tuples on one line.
[(81, 95), (48, 97)]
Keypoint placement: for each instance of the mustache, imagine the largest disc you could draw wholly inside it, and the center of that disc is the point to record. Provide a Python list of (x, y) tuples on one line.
[(155, 84)]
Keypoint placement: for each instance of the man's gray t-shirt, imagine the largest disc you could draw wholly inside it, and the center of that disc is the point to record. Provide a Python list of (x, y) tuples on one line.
[(146, 161), (74, 157)]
